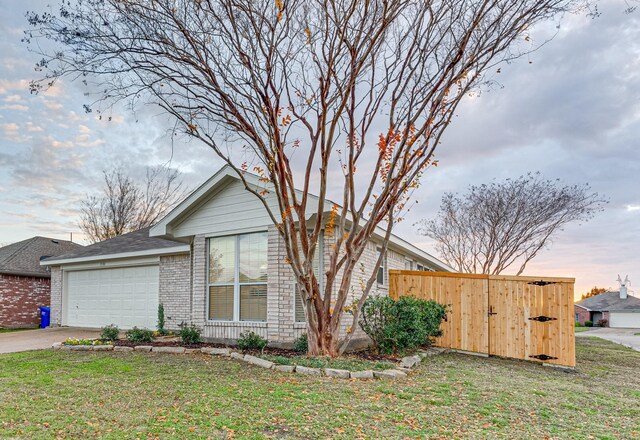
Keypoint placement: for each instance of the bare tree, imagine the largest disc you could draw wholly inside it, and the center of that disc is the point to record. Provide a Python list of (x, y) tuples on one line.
[(494, 226), (304, 92), (127, 205)]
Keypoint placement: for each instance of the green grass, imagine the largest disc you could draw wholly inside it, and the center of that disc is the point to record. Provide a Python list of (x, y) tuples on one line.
[(351, 364), (10, 330), (583, 329), (59, 394)]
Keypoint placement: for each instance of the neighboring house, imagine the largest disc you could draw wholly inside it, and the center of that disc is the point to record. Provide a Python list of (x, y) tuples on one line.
[(618, 308), (216, 261), (24, 283)]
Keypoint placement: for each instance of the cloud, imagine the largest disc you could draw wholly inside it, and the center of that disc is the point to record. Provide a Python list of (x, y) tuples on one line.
[(12, 98), (51, 105)]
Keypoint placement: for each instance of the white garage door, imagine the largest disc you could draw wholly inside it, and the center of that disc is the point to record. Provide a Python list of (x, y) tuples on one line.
[(624, 320), (125, 296)]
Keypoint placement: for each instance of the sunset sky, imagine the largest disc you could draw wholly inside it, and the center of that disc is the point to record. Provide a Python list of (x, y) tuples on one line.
[(570, 110)]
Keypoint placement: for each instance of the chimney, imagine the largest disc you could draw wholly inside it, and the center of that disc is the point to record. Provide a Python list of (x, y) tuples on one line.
[(623, 286), (623, 292)]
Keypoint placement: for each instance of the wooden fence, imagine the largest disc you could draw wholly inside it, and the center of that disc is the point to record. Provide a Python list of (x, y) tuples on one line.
[(528, 318)]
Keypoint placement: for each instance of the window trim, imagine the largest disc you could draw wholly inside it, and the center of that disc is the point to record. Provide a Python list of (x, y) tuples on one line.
[(236, 282)]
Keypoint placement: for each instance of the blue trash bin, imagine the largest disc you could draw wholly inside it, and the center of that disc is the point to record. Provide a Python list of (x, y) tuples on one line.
[(45, 316)]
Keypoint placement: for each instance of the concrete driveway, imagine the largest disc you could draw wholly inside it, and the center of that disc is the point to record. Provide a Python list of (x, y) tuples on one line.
[(26, 340), (622, 336)]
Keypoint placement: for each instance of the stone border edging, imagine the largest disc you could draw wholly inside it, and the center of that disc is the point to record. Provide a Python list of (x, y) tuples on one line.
[(406, 363)]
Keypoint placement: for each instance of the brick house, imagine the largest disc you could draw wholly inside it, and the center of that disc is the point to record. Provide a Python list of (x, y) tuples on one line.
[(215, 261), (24, 283), (619, 309)]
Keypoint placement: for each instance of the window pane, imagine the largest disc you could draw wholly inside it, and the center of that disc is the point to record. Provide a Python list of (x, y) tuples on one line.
[(299, 307), (253, 303), (221, 303), (222, 260), (381, 268), (253, 258)]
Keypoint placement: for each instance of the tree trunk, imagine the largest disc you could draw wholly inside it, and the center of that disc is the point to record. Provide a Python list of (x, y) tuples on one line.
[(323, 342)]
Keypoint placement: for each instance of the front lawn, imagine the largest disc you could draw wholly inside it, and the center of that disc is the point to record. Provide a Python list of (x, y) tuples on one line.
[(583, 329), (49, 394)]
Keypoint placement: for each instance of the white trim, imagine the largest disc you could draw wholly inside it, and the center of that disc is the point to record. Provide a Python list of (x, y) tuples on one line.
[(150, 252), (112, 264), (582, 307)]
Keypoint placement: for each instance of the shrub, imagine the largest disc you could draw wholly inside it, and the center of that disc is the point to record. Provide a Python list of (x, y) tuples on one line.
[(301, 344), (401, 325), (578, 324), (76, 341), (603, 322), (139, 335), (190, 334), (109, 332), (588, 324), (250, 341), (160, 325)]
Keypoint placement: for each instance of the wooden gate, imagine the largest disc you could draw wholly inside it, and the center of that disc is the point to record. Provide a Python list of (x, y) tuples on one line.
[(519, 317)]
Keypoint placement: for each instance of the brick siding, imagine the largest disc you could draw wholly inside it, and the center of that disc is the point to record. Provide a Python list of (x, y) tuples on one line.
[(56, 296), (175, 289), (20, 298)]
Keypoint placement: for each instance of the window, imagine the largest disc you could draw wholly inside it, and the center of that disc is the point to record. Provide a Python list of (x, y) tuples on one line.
[(383, 266), (408, 264), (238, 278), (423, 268), (577, 317), (317, 270)]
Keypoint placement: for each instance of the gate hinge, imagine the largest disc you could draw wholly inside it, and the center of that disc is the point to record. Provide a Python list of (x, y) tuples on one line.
[(542, 318), (542, 357), (542, 283)]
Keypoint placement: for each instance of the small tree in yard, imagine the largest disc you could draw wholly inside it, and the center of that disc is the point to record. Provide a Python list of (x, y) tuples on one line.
[(127, 205), (305, 93), (494, 226)]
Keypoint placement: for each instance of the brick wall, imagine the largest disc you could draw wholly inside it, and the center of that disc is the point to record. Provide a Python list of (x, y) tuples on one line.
[(583, 315), (175, 289), (56, 297), (20, 298)]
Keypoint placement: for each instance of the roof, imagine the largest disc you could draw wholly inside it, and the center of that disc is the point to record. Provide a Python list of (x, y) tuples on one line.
[(610, 301), (23, 258), (222, 177), (133, 244)]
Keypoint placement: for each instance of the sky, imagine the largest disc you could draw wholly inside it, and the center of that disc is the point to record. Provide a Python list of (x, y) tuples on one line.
[(570, 110)]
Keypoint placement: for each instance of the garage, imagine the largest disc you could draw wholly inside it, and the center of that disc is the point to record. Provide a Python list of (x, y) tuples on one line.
[(124, 296), (624, 319)]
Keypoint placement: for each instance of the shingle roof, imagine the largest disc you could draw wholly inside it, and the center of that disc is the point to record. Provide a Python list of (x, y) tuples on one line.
[(610, 301), (132, 242), (23, 257)]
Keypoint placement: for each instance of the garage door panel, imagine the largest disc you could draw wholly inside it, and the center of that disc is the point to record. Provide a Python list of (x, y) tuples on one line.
[(624, 319), (126, 297)]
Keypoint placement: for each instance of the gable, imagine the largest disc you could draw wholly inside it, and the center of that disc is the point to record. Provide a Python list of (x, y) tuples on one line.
[(228, 210)]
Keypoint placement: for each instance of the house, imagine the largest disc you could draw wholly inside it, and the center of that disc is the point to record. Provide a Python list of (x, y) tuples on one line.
[(24, 283), (215, 261), (619, 308)]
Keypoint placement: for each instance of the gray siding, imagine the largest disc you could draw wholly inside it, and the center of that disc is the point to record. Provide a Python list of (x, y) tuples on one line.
[(232, 209)]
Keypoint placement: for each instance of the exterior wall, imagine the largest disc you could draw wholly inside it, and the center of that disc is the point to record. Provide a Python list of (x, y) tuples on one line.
[(56, 296), (232, 208), (20, 298), (175, 289), (583, 315)]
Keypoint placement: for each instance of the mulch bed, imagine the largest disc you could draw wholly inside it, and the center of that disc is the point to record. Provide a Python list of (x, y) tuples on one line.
[(366, 355)]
